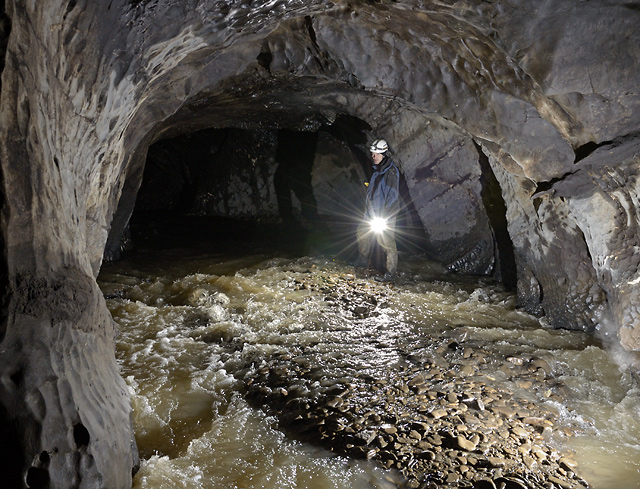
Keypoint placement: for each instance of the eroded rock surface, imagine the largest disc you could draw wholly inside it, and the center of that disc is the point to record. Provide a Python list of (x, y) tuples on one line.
[(88, 86)]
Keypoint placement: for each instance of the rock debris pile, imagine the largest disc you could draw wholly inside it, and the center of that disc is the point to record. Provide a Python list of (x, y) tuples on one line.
[(438, 416)]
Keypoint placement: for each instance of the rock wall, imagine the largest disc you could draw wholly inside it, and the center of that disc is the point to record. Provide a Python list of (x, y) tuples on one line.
[(601, 204), (87, 87)]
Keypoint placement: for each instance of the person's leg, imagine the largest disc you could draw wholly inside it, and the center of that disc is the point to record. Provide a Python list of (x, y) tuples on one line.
[(363, 234), (387, 241)]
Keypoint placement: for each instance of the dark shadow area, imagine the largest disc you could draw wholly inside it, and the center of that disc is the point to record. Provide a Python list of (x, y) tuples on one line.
[(412, 237), (4, 265), (295, 154), (237, 187), (259, 189), (11, 459), (505, 270), (585, 150), (5, 30), (353, 132), (215, 234)]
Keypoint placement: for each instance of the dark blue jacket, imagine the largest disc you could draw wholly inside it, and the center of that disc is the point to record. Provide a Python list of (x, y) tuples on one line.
[(383, 196)]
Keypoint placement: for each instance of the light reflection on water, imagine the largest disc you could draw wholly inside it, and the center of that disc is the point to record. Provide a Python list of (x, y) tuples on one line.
[(241, 448), (190, 323)]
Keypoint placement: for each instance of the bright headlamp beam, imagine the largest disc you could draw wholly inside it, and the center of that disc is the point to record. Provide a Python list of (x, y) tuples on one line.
[(378, 224)]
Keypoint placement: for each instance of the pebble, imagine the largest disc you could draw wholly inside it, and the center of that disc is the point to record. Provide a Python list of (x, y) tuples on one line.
[(440, 418), (529, 461), (539, 363), (539, 453), (451, 478), (565, 484), (438, 413), (504, 411), (519, 431), (389, 429), (568, 464), (497, 461), (415, 435), (467, 371), (465, 444), (538, 422)]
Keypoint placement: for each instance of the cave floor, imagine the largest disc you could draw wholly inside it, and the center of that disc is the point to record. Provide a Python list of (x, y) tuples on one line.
[(440, 415), (437, 379)]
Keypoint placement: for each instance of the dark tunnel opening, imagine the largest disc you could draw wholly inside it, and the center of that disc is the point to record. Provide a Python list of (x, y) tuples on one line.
[(300, 191), (505, 268), (298, 186)]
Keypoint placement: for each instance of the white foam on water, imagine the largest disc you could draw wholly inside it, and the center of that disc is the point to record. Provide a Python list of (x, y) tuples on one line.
[(242, 449), (189, 327)]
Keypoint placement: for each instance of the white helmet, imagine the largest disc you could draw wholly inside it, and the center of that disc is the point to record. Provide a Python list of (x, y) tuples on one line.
[(379, 146)]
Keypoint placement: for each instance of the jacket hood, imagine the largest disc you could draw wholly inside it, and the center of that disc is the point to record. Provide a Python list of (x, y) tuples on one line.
[(384, 165)]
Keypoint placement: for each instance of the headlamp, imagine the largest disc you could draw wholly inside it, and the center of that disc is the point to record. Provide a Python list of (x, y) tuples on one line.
[(378, 225)]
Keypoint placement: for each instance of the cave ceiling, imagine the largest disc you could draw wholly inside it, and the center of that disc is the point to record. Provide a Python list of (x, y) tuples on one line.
[(543, 95)]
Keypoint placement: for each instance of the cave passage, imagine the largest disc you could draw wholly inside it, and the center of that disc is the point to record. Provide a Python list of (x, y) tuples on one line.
[(222, 146), (265, 352), (301, 191)]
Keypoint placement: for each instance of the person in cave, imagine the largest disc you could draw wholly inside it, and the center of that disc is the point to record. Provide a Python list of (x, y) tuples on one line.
[(381, 210)]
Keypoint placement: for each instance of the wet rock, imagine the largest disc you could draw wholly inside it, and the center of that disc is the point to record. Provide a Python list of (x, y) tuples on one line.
[(452, 478), (437, 413), (540, 423), (430, 427), (539, 363), (465, 444), (565, 484), (568, 463), (497, 461), (389, 429), (519, 361), (519, 432), (361, 311), (510, 483), (505, 411), (466, 370)]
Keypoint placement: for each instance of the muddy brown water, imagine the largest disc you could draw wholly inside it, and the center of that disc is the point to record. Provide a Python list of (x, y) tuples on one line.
[(192, 321)]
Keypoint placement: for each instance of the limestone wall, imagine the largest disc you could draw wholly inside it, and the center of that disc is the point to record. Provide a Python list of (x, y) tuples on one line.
[(88, 86)]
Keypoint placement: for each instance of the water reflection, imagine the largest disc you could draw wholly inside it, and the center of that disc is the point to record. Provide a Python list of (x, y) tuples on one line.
[(192, 322), (241, 448)]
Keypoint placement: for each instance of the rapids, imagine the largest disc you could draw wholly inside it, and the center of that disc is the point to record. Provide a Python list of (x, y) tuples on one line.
[(193, 320)]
